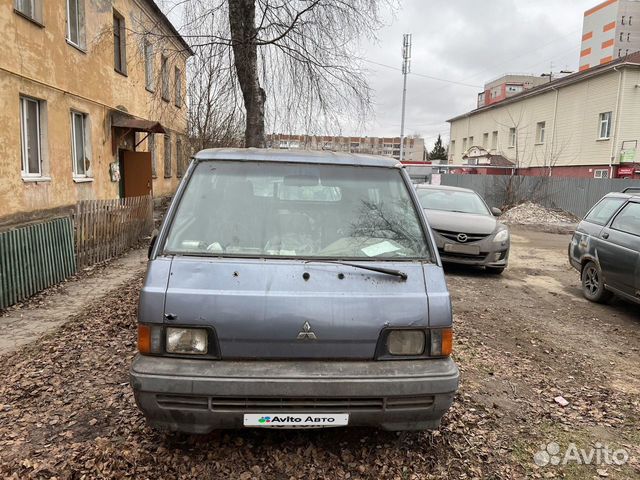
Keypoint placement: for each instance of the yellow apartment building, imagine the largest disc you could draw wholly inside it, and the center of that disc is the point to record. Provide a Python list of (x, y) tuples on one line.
[(92, 104)]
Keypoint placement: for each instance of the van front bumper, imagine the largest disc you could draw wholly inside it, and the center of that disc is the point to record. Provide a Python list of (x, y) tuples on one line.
[(197, 396)]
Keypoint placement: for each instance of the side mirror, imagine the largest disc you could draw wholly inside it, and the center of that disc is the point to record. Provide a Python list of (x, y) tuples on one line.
[(496, 211), (151, 245)]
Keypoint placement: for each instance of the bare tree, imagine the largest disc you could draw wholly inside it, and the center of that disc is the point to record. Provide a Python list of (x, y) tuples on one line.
[(294, 56)]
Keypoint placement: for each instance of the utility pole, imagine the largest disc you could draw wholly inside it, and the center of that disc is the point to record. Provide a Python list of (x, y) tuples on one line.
[(406, 68)]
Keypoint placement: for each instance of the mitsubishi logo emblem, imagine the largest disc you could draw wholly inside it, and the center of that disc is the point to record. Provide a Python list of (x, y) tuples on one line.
[(306, 333), (462, 237)]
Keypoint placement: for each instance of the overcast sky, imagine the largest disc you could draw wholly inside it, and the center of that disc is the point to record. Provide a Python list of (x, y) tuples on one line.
[(466, 41)]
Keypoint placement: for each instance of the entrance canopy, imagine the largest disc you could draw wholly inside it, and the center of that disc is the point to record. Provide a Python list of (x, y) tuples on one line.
[(122, 120)]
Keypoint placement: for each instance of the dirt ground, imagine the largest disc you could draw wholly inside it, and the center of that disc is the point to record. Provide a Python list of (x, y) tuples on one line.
[(523, 338)]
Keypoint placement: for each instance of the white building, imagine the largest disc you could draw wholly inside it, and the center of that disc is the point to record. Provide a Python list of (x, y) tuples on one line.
[(586, 125)]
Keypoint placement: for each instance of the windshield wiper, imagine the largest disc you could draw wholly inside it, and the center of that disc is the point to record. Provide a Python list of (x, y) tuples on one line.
[(387, 271)]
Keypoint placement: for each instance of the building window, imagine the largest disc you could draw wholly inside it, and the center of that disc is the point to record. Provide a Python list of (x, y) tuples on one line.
[(512, 137), (151, 146), (119, 44), (31, 9), (148, 65), (470, 142), (621, 36), (622, 20), (75, 23), (601, 173), (164, 73), (178, 86), (452, 148), (619, 52), (167, 156), (179, 158), (485, 140), (540, 128), (80, 144), (628, 37), (464, 145), (31, 137), (630, 20), (494, 140), (604, 130)]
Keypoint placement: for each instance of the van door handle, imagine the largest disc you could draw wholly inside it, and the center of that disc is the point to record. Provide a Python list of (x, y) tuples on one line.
[(605, 235)]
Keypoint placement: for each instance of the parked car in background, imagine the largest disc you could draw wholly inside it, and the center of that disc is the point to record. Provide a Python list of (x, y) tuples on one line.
[(605, 248), (465, 228), (294, 289)]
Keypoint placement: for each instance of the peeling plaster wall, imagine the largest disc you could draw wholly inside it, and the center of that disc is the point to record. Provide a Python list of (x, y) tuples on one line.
[(37, 61)]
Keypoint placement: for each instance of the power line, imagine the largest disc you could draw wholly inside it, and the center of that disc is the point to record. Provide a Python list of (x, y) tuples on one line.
[(420, 74)]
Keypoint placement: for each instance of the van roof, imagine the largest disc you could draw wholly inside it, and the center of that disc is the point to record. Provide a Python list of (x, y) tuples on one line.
[(296, 156)]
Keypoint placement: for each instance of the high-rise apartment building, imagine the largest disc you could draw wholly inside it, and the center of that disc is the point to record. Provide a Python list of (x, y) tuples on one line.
[(610, 30)]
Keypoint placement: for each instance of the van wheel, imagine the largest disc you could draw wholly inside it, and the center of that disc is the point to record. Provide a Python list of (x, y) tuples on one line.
[(593, 284)]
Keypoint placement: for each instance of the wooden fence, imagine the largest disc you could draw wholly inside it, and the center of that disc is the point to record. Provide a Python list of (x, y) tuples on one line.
[(35, 257), (106, 228)]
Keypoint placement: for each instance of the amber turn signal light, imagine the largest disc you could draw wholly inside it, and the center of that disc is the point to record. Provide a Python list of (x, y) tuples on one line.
[(144, 338)]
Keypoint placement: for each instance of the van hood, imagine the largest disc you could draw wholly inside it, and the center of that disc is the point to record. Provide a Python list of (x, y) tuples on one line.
[(260, 307), (461, 222)]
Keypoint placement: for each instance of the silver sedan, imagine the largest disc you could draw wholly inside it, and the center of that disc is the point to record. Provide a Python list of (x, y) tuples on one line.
[(465, 228)]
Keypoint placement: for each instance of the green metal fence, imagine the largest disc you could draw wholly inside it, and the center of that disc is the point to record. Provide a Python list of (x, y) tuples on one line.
[(35, 257)]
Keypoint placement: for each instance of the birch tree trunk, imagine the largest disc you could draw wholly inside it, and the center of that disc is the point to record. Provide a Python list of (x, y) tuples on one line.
[(245, 52)]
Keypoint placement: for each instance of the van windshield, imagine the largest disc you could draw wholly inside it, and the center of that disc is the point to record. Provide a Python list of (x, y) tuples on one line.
[(271, 209)]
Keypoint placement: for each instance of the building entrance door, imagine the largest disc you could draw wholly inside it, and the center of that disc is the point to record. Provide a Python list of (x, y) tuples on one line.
[(135, 172)]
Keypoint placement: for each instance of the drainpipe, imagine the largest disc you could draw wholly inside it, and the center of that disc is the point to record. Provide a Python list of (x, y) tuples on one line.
[(553, 130), (616, 126)]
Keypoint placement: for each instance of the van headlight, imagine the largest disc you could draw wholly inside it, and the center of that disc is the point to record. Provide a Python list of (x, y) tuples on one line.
[(501, 236), (406, 342), (192, 341)]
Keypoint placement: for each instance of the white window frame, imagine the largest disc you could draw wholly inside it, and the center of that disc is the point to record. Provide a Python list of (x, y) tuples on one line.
[(540, 132), (485, 140), (85, 146), (24, 138), (604, 120), (494, 140), (513, 135), (80, 43), (471, 141), (34, 5), (452, 148), (601, 173), (149, 72)]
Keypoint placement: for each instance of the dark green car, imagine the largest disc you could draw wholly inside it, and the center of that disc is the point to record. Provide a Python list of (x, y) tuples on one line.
[(605, 248)]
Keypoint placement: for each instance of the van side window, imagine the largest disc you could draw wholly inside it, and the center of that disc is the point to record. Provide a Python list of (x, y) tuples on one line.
[(604, 210), (628, 220)]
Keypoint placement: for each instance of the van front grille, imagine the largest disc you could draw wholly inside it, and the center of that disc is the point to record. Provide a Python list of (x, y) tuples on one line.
[(271, 404)]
